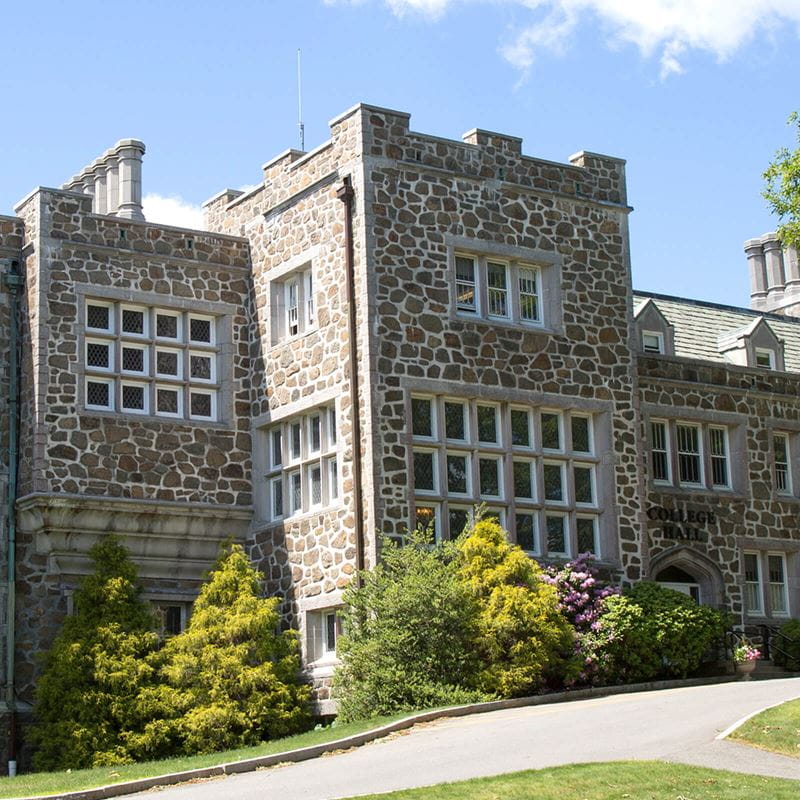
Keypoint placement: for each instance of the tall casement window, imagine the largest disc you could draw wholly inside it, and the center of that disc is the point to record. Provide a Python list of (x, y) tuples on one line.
[(150, 361), (497, 289), (293, 305), (781, 454), (689, 454), (536, 469), (765, 584), (302, 464)]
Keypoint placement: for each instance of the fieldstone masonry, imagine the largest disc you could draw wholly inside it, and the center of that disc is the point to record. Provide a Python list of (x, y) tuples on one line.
[(270, 272)]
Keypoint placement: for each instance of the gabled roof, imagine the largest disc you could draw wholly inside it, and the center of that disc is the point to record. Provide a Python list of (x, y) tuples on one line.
[(700, 326)]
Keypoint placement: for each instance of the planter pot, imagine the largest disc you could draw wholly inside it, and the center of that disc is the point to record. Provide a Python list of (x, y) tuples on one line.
[(745, 667)]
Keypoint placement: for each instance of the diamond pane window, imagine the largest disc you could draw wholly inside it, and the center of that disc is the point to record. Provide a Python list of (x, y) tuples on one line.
[(457, 474), (526, 532), (133, 397), (276, 486), (551, 431), (168, 363), (466, 296), (458, 519), (523, 480), (133, 321), (276, 442), (497, 281), (98, 317), (426, 519), (333, 478), (553, 482), (556, 535), (583, 485), (201, 404), (167, 401), (487, 425), (489, 469), (422, 417), (581, 438), (315, 434), (315, 481), (133, 359), (295, 493), (454, 421), (520, 428), (98, 355), (167, 326), (200, 367), (587, 538), (200, 330), (98, 394), (295, 440), (424, 471)]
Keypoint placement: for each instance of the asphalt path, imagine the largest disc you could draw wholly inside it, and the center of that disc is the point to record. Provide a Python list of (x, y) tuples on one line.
[(678, 725)]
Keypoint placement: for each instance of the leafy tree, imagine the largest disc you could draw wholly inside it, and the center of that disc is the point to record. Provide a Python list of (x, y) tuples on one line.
[(231, 679), (782, 190), (409, 633), (85, 698), (524, 640)]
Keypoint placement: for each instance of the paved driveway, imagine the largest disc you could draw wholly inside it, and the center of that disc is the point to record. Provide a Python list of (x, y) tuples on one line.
[(671, 725)]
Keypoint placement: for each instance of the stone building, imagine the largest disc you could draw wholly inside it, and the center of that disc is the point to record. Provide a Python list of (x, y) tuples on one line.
[(386, 331)]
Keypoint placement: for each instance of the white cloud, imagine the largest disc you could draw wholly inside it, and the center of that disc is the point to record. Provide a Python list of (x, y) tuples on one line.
[(668, 29), (173, 210)]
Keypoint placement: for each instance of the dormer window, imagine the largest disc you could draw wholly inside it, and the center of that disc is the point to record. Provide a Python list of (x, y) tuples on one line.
[(765, 358), (652, 342)]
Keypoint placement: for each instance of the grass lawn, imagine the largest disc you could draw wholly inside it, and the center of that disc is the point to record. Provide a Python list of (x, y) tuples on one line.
[(57, 782), (776, 729), (637, 780)]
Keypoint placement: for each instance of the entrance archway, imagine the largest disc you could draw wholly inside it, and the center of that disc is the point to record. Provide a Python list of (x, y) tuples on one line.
[(690, 572)]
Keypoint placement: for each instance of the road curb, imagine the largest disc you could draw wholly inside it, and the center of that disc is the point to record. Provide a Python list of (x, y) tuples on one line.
[(738, 724), (359, 739)]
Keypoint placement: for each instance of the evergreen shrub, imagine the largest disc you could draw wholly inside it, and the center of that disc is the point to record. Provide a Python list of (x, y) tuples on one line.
[(86, 697)]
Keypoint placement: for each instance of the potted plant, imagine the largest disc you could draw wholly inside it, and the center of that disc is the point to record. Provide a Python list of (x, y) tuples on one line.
[(745, 656)]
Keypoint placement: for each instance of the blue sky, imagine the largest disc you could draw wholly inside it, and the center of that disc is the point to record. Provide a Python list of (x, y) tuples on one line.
[(693, 93)]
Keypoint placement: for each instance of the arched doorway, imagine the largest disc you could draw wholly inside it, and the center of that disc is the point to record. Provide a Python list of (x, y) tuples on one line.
[(690, 572)]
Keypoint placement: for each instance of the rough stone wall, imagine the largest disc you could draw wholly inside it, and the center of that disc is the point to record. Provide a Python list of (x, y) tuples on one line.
[(424, 191), (86, 473), (752, 516), (293, 221)]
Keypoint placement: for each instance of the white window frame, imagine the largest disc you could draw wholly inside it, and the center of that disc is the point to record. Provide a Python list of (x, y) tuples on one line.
[(758, 583), (193, 389), (195, 343), (590, 430), (594, 519), (111, 329), (164, 312), (110, 382), (435, 478), (533, 486), (700, 454), (422, 437), (143, 310), (499, 461), (437, 517), (545, 545), (759, 353), (145, 387), (666, 450), (533, 513), (171, 388), (465, 415), (560, 426), (659, 348), (467, 456), (142, 348), (523, 448), (180, 357), (726, 456), (475, 308), (783, 467), (784, 587), (107, 343), (592, 484), (498, 428)]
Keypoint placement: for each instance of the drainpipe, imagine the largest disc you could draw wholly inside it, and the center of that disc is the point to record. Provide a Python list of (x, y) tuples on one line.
[(346, 193), (13, 281)]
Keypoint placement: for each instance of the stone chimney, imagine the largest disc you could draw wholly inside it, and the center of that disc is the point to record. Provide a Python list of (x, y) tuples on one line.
[(774, 275), (114, 180)]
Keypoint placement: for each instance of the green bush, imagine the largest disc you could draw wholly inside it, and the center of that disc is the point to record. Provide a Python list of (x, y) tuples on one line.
[(651, 632), (85, 700), (230, 679), (524, 641), (786, 645), (408, 634)]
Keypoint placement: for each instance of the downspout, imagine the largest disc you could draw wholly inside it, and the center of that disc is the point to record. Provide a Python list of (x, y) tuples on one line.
[(13, 281), (346, 194)]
